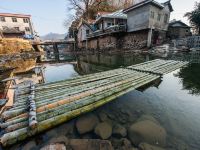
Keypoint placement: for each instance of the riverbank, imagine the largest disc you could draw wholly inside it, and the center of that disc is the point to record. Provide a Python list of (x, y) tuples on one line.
[(173, 103), (14, 46)]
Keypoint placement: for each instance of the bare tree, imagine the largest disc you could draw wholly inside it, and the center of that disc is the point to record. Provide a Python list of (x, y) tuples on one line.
[(82, 7)]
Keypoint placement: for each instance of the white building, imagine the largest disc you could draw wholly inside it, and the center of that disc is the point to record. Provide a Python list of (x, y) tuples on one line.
[(13, 25)]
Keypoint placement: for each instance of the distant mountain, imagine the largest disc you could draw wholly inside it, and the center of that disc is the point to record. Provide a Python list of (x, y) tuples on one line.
[(53, 36)]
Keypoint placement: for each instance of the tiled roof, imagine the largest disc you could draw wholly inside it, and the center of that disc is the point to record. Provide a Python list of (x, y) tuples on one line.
[(15, 15), (118, 14), (90, 21), (85, 23), (145, 2), (178, 23), (102, 12)]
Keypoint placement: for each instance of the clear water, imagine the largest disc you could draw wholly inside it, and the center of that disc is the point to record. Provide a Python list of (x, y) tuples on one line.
[(57, 72), (175, 101)]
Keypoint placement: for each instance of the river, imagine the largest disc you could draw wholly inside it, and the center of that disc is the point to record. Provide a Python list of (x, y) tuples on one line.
[(174, 100)]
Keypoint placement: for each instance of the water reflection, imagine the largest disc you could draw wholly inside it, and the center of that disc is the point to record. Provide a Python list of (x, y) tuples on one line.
[(87, 64), (190, 77), (58, 72), (172, 100)]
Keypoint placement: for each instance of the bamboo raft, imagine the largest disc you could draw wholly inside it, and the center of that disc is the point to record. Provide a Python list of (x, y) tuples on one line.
[(38, 108)]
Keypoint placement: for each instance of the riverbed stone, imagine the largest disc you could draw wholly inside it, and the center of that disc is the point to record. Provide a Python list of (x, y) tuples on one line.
[(56, 146), (119, 131), (103, 130), (103, 116), (30, 145), (60, 139), (148, 117), (80, 144), (51, 133), (146, 146), (69, 128), (86, 123), (147, 131), (122, 144)]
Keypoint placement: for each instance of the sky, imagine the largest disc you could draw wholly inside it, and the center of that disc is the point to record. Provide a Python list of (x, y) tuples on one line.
[(49, 15)]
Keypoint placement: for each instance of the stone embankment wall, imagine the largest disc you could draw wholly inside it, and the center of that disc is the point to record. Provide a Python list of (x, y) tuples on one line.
[(133, 41)]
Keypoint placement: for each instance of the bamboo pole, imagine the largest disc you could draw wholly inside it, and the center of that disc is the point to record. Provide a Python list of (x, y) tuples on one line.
[(71, 106), (81, 81), (45, 103), (62, 94), (32, 108), (158, 68), (69, 99), (22, 134)]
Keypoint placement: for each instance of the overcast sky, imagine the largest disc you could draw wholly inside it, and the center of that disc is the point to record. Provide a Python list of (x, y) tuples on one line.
[(49, 15)]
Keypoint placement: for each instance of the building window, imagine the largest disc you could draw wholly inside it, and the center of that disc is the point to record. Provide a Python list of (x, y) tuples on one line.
[(25, 20), (16, 28), (2, 19), (152, 14), (110, 24), (159, 17), (166, 18), (186, 31), (87, 32), (14, 19), (27, 29)]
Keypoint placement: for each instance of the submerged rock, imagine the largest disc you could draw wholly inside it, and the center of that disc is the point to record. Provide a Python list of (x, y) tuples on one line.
[(119, 131), (148, 117), (56, 146), (147, 131), (80, 144), (103, 116), (145, 146), (86, 123), (60, 139), (122, 144), (30, 145), (103, 130), (51, 133)]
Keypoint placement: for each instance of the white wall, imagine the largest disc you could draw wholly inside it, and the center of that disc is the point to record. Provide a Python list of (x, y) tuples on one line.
[(138, 19), (20, 23), (154, 23), (82, 33)]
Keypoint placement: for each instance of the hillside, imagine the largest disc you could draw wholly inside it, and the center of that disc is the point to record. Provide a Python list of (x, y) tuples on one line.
[(53, 36)]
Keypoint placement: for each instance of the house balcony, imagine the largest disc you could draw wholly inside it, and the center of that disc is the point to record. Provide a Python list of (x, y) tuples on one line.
[(107, 31)]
